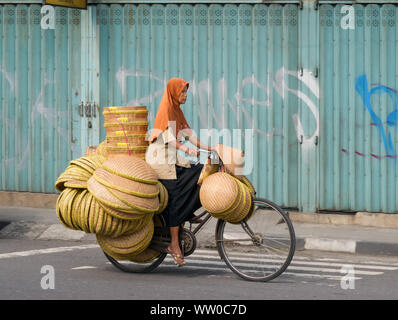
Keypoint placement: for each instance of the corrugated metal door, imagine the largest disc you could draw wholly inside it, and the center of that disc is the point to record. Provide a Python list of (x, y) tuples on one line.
[(41, 88), (359, 109), (242, 65)]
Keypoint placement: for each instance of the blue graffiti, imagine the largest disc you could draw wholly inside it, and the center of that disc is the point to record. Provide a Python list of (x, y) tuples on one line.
[(362, 88)]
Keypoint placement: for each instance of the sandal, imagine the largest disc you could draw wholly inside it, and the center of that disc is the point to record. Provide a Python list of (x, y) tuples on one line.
[(175, 257)]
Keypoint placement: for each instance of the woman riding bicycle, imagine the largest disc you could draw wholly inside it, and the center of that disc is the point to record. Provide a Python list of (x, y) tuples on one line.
[(174, 171)]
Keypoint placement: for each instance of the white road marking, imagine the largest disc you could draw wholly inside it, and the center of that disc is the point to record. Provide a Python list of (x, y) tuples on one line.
[(314, 263), (291, 267), (84, 267), (46, 251)]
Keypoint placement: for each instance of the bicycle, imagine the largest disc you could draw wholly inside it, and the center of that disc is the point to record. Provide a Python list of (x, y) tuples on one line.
[(266, 237)]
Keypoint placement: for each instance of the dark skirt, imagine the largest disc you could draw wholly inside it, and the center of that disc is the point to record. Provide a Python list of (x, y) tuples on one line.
[(183, 195)]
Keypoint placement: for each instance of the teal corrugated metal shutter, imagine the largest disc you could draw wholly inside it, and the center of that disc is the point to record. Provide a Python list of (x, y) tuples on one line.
[(359, 138), (40, 77), (238, 60)]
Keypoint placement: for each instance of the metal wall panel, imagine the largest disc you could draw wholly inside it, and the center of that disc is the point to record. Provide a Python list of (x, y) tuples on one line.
[(240, 61), (359, 110), (39, 83)]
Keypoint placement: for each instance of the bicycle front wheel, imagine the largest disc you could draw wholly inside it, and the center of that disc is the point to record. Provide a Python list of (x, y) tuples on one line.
[(259, 248)]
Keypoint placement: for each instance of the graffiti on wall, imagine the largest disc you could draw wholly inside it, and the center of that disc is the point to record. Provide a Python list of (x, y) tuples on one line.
[(383, 125)]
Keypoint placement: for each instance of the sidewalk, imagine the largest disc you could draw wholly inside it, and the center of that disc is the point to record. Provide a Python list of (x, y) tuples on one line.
[(43, 224)]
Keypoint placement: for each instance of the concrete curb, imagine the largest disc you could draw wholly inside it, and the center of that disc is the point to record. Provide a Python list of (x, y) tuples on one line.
[(348, 246), (365, 219)]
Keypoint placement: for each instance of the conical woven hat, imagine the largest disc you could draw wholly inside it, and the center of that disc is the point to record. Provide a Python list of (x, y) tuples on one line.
[(224, 215), (241, 212), (121, 214), (96, 160), (102, 195), (128, 186), (248, 184), (131, 168), (141, 204), (218, 192)]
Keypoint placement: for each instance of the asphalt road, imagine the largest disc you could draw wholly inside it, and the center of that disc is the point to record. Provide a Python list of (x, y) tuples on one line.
[(37, 269)]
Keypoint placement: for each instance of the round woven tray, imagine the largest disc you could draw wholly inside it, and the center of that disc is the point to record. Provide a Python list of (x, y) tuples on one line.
[(129, 244), (144, 205), (58, 209), (148, 254), (75, 184)]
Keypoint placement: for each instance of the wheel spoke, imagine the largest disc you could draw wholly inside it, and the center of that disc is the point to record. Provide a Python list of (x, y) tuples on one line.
[(268, 236)]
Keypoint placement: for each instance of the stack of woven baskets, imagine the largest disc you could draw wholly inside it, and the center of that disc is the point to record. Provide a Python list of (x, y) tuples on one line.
[(116, 199), (126, 129), (227, 197)]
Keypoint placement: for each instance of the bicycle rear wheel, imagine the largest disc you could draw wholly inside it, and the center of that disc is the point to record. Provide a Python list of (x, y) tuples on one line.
[(259, 248), (134, 267)]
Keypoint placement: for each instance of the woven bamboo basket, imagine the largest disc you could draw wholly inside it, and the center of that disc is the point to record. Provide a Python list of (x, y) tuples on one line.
[(116, 109), (136, 152), (120, 140), (125, 116), (129, 128)]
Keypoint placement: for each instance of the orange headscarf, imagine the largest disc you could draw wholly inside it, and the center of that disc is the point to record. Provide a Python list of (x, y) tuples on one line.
[(169, 110)]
